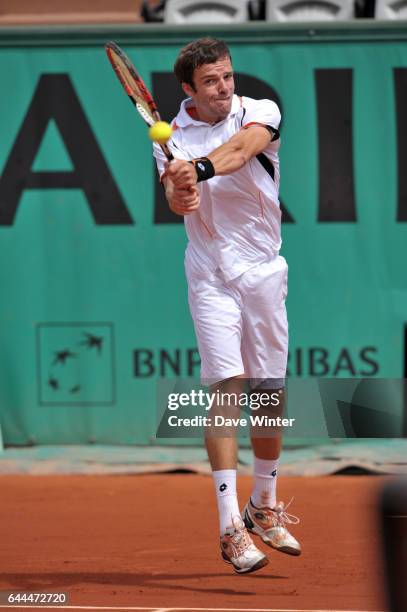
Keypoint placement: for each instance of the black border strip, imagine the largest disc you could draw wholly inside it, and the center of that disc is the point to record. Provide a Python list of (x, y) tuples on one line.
[(405, 383)]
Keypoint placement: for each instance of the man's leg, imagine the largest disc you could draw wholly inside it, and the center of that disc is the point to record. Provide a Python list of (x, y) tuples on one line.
[(222, 449), (268, 449), (221, 446), (266, 444), (262, 514), (237, 547), (263, 290), (266, 453), (216, 311)]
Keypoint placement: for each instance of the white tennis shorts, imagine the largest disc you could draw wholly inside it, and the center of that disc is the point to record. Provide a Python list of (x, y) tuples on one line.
[(241, 325)]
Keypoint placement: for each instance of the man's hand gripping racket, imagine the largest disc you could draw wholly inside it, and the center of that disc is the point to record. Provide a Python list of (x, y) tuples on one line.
[(182, 192)]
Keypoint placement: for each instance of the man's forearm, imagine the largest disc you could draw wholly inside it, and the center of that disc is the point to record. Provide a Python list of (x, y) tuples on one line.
[(235, 153), (228, 158)]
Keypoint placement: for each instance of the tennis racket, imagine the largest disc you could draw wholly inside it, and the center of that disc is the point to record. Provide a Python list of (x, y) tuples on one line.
[(135, 88)]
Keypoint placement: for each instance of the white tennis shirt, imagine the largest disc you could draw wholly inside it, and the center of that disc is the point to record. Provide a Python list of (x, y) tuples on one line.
[(238, 223)]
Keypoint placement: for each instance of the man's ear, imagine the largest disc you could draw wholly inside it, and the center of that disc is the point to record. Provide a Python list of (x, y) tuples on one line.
[(188, 89)]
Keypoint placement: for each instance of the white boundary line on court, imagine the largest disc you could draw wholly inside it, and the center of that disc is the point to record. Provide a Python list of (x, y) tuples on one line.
[(176, 609)]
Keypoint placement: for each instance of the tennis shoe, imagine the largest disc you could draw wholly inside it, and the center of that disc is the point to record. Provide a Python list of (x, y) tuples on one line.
[(238, 549), (270, 525)]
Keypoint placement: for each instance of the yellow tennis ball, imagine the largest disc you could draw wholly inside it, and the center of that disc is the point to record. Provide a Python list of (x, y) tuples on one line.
[(160, 132)]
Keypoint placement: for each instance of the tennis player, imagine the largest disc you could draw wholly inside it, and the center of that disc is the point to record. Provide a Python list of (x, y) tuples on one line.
[(225, 181)]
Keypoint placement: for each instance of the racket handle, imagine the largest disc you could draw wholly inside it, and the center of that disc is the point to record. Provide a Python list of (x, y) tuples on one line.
[(167, 152)]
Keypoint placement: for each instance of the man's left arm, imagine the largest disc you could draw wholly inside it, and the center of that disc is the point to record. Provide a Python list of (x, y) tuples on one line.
[(227, 158), (244, 145)]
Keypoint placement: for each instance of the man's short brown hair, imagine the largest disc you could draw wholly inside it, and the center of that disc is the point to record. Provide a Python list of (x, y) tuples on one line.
[(198, 52)]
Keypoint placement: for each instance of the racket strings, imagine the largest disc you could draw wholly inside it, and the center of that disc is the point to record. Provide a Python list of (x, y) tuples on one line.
[(135, 89), (148, 118), (123, 72)]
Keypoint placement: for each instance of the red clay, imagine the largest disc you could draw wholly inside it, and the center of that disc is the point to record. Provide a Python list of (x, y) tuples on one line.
[(153, 541)]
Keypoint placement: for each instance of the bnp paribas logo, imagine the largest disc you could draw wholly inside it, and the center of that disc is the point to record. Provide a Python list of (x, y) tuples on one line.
[(75, 364)]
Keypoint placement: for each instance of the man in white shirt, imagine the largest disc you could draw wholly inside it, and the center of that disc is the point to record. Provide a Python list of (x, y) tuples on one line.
[(225, 181)]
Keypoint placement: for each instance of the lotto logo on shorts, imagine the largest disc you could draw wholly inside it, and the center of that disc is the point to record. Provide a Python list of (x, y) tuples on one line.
[(75, 364)]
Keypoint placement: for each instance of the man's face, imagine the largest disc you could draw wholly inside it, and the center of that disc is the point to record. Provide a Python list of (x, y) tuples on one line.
[(214, 89)]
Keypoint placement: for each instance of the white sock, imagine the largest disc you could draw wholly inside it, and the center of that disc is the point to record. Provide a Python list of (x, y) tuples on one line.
[(226, 497), (265, 483)]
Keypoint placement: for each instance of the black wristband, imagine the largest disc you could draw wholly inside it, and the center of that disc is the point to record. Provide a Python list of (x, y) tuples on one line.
[(204, 168)]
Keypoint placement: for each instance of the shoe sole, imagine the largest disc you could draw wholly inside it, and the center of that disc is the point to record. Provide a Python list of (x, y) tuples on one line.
[(288, 550), (261, 563), (294, 552)]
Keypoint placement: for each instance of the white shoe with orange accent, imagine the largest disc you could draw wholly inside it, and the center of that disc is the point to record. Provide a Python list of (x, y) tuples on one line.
[(269, 524), (238, 549)]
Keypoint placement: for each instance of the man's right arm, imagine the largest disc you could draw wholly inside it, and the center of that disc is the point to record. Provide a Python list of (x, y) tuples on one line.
[(181, 201), (184, 199)]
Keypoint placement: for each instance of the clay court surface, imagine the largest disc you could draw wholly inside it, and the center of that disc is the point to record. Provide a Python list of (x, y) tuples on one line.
[(151, 542)]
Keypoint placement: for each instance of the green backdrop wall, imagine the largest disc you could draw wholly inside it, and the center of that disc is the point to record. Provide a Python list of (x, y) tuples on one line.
[(93, 310)]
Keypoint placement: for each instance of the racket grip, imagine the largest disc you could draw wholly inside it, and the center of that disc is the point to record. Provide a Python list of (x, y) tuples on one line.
[(167, 152)]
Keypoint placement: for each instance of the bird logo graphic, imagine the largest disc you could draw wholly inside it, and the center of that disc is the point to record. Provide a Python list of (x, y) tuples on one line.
[(75, 363), (92, 341)]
